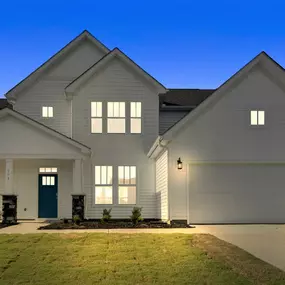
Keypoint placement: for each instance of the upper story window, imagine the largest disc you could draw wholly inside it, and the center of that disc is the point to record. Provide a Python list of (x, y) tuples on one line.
[(96, 117), (103, 184), (136, 114), (116, 121), (47, 112), (257, 118)]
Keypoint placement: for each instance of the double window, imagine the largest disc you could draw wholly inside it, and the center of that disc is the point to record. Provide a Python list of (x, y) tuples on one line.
[(115, 117), (257, 118), (47, 112), (123, 188)]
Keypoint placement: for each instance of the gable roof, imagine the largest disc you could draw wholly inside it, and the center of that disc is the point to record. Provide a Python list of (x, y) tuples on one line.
[(7, 111), (51, 61), (185, 97), (115, 53), (276, 72)]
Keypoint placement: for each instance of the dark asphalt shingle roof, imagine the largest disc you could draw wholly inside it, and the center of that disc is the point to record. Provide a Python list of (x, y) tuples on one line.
[(4, 103), (185, 97)]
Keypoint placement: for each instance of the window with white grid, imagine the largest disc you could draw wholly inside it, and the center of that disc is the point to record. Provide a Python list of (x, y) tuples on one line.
[(257, 118), (136, 120), (116, 121), (127, 184), (96, 117), (47, 112), (103, 184)]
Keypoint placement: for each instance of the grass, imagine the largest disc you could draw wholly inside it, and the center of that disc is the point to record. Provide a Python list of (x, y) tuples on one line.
[(129, 259)]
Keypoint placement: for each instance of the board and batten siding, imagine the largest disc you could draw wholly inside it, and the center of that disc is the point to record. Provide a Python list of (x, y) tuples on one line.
[(161, 169), (116, 83), (48, 90)]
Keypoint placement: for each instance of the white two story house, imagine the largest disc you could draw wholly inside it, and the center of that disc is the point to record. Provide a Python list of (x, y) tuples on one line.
[(91, 122)]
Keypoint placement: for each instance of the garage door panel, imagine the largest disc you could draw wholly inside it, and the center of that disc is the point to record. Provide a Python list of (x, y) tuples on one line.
[(236, 193)]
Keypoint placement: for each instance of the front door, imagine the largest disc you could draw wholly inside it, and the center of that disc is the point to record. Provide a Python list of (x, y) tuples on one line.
[(47, 195)]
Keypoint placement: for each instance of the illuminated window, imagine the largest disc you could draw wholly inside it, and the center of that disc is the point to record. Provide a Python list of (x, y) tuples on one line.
[(47, 112), (96, 117), (48, 170), (103, 184), (116, 122), (48, 180), (257, 118), (127, 184), (136, 110)]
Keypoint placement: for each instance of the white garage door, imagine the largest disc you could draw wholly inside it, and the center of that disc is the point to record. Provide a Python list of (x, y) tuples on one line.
[(236, 193)]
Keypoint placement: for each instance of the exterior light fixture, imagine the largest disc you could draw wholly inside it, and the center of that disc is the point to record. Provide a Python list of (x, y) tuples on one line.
[(179, 164)]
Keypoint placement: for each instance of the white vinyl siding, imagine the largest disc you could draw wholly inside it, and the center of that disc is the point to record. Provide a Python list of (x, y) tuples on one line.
[(161, 170), (116, 83), (48, 90)]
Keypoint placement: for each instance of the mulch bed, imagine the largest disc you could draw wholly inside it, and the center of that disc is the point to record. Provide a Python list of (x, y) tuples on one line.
[(111, 225)]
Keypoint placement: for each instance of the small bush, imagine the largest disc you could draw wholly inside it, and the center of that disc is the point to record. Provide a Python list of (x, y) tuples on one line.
[(106, 216), (136, 215), (76, 219)]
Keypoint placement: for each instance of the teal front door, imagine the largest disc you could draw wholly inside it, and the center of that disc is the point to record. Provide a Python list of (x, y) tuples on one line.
[(47, 195)]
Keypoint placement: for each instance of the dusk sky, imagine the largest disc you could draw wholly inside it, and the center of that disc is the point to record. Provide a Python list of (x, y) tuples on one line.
[(183, 44)]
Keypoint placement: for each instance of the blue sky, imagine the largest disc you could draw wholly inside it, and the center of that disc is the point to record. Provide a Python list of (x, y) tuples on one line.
[(183, 44)]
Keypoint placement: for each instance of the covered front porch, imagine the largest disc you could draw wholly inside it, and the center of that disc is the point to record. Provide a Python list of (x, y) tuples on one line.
[(44, 187), (39, 166)]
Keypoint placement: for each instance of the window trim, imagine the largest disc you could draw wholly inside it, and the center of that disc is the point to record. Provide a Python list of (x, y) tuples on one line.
[(135, 117), (126, 185), (102, 185), (48, 110), (116, 117), (257, 125), (96, 117), (43, 169)]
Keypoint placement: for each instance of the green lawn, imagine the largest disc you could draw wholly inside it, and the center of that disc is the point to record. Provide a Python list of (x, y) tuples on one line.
[(128, 259)]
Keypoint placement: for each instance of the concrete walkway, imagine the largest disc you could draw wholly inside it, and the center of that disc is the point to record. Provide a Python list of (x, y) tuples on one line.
[(266, 242), (32, 228)]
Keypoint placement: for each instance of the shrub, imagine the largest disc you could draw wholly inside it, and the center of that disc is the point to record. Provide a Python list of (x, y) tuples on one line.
[(136, 215), (106, 216), (65, 221), (76, 219)]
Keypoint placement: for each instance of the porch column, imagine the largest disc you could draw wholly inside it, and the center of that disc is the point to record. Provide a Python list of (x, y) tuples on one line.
[(77, 177), (9, 199), (78, 201), (9, 176)]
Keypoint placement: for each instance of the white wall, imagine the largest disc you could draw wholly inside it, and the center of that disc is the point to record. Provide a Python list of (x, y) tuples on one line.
[(49, 88), (162, 186), (116, 83), (26, 186), (20, 138), (223, 133)]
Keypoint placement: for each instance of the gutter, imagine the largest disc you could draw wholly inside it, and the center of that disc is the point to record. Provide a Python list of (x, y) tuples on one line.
[(157, 144)]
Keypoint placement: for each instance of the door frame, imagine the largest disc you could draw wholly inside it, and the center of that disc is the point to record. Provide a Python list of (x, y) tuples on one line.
[(40, 175)]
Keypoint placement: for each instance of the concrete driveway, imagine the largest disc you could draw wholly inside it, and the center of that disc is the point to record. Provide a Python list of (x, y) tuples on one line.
[(266, 242)]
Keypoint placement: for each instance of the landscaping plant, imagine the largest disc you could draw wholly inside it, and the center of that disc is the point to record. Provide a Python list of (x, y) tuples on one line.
[(76, 219), (106, 216), (136, 216)]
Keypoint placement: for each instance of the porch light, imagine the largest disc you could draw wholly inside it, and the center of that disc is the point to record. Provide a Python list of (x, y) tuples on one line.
[(179, 164)]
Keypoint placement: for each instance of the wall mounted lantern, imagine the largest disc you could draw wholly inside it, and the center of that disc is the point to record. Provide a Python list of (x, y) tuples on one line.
[(179, 164)]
